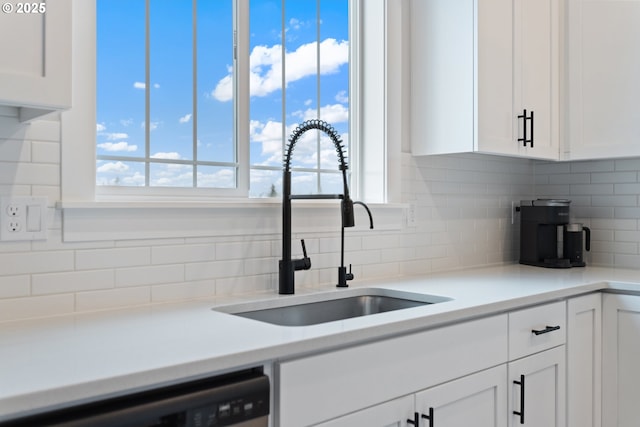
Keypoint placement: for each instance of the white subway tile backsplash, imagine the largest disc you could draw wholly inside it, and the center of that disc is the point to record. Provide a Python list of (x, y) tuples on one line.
[(609, 204), (149, 275), (45, 152), (15, 286), (243, 250), (112, 298), (627, 212), (72, 281), (214, 270), (246, 284), (173, 254), (627, 188), (183, 291), (568, 178), (613, 201), (614, 177), (592, 166), (463, 219), (582, 189), (36, 262), (36, 306), (628, 165), (112, 258)]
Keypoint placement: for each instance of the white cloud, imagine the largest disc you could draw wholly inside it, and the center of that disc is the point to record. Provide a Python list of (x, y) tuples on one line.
[(185, 119), (143, 85), (332, 113), (152, 126), (118, 146), (100, 127), (170, 156), (113, 136), (126, 122), (342, 97), (266, 66), (111, 167)]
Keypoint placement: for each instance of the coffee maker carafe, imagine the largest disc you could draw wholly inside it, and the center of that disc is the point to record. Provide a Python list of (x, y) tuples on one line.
[(572, 243), (541, 223)]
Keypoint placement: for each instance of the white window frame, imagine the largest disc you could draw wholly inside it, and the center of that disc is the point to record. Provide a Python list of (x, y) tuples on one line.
[(377, 163)]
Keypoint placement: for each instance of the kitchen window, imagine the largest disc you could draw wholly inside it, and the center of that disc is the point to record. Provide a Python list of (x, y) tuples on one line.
[(97, 212), (202, 94)]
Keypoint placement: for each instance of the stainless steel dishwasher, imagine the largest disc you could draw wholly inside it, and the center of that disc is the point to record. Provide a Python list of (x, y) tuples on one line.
[(239, 399)]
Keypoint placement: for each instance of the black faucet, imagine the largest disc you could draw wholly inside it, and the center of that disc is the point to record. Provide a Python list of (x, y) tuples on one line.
[(288, 266)]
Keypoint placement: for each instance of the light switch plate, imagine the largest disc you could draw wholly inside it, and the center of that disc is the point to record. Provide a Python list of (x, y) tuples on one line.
[(23, 218)]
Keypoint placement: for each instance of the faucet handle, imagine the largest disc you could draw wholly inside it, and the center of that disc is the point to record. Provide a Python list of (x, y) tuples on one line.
[(343, 276), (305, 262), (349, 274)]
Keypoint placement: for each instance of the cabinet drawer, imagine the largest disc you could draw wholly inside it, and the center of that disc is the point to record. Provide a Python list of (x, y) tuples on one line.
[(536, 329), (321, 387)]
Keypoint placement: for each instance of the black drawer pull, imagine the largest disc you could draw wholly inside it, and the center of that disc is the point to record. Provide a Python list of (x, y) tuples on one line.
[(545, 330), (429, 417), (415, 421), (520, 413)]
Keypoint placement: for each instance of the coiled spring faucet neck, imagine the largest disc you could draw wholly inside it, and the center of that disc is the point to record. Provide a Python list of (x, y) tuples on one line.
[(289, 266)]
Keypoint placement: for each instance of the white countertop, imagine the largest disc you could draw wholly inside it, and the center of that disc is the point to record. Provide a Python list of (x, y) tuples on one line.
[(58, 361)]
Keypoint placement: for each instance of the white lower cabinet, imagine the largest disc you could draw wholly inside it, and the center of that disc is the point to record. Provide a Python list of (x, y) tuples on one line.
[(477, 400), (537, 364), (498, 371), (389, 414), (584, 361), (537, 389), (324, 387), (621, 370)]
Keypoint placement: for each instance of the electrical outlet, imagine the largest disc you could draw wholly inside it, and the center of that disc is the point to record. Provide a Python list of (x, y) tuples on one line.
[(411, 215), (23, 218), (13, 210), (14, 226)]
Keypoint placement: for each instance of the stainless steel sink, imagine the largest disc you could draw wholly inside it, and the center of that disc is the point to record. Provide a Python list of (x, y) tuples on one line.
[(333, 306)]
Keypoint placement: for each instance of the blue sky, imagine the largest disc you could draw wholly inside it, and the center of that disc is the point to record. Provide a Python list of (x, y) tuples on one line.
[(121, 85)]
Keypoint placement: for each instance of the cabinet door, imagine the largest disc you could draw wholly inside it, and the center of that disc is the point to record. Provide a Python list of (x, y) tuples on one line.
[(537, 74), (621, 370), (35, 57), (461, 77), (477, 400), (544, 398), (494, 86), (390, 414), (584, 361), (603, 70)]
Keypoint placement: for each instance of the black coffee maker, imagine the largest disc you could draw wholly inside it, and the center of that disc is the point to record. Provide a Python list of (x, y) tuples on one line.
[(542, 223)]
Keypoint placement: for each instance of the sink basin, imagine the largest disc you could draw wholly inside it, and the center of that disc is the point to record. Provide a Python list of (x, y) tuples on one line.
[(334, 306)]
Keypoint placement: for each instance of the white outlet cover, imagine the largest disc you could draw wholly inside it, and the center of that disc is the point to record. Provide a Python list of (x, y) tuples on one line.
[(14, 218)]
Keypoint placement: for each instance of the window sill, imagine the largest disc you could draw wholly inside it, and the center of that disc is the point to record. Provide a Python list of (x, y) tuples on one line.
[(124, 220)]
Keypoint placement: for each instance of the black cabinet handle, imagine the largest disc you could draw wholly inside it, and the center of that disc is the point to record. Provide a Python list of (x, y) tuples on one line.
[(429, 417), (524, 138), (415, 421), (531, 118), (521, 412), (545, 330)]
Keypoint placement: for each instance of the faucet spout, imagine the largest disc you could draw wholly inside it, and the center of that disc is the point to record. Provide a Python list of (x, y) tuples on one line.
[(288, 266), (343, 276)]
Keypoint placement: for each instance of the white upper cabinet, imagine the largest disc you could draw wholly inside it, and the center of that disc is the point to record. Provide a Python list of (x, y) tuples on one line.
[(475, 67), (537, 76), (603, 83), (35, 57)]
